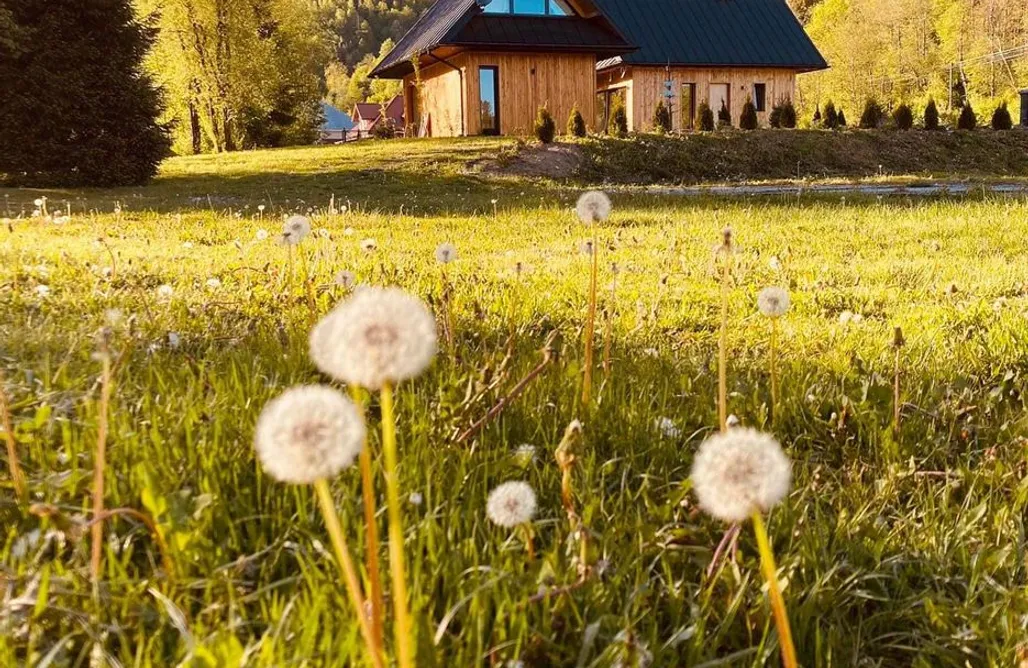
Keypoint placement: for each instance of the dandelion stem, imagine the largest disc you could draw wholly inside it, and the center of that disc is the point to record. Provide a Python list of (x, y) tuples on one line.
[(897, 406), (447, 310), (590, 325), (774, 369), (722, 362), (312, 301), (526, 530), (99, 465), (13, 463), (371, 533), (353, 588), (767, 563), (402, 630)]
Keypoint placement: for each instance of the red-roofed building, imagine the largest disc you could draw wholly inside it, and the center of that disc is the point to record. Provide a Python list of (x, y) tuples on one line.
[(367, 115)]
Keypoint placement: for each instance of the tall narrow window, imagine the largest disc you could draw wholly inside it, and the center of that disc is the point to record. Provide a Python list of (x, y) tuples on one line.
[(760, 96), (489, 99), (688, 106)]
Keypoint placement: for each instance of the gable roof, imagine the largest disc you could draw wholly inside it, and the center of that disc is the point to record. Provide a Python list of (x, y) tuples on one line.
[(372, 111), (462, 23), (733, 33)]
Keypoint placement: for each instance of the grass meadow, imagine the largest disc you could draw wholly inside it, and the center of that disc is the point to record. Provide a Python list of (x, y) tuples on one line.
[(894, 549)]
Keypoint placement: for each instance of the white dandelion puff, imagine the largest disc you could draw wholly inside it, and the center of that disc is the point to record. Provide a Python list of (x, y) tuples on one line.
[(346, 279), (667, 427), (43, 291), (845, 317), (213, 283), (445, 253), (511, 504), (773, 302), (524, 454), (740, 472), (62, 220), (114, 318), (261, 207), (378, 336), (369, 245), (349, 232), (307, 434), (174, 340), (38, 202), (416, 498), (593, 207), (188, 245), (165, 292), (262, 235), (295, 229)]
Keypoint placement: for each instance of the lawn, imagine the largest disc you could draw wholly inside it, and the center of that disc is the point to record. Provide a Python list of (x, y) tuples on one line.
[(894, 549)]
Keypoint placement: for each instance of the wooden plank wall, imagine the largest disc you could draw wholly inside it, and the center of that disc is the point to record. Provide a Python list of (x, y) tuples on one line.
[(647, 88), (439, 97)]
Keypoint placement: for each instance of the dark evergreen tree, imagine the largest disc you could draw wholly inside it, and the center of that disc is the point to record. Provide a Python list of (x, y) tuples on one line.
[(78, 109), (724, 117), (873, 116), (815, 121), (748, 120), (1001, 118), (662, 117), (576, 124), (545, 127), (967, 119), (789, 117), (831, 117), (903, 117), (706, 115), (931, 115), (842, 119), (619, 121)]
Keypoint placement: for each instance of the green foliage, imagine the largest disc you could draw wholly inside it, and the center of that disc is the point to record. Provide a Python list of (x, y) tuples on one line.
[(619, 120), (783, 114), (817, 120), (831, 117), (706, 115), (842, 119), (1001, 118), (576, 123), (662, 118), (724, 117), (903, 117), (873, 116), (545, 127), (347, 88), (748, 120), (361, 28), (967, 119), (77, 107), (931, 115)]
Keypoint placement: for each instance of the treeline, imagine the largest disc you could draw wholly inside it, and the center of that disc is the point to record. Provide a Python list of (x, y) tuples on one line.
[(907, 51)]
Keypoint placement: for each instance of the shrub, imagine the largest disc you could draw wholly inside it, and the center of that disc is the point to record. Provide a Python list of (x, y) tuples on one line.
[(788, 115), (724, 117), (662, 117), (545, 128), (384, 129), (816, 120), (748, 120), (842, 119), (1001, 118), (967, 119), (831, 117), (903, 117), (576, 124), (931, 115), (619, 121), (873, 115), (706, 115)]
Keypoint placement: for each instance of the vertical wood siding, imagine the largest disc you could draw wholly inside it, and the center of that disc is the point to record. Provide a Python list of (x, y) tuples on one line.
[(439, 98)]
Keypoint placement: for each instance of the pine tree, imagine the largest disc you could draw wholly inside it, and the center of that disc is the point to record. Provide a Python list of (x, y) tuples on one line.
[(903, 117), (931, 115), (831, 118), (748, 120), (78, 109), (842, 119), (662, 118), (545, 128), (706, 115), (1001, 118), (576, 124), (967, 120), (619, 121), (724, 117), (873, 115)]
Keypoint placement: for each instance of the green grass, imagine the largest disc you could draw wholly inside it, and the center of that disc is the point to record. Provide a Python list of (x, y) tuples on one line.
[(896, 552)]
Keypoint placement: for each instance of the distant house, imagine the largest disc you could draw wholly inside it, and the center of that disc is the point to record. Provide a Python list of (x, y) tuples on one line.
[(335, 126), (368, 115), (486, 66)]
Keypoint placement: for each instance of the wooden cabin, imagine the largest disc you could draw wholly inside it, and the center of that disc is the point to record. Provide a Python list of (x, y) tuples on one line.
[(473, 67), (367, 115)]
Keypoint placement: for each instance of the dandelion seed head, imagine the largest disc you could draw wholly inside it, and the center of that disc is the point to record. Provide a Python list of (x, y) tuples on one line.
[(307, 434), (378, 336), (38, 202), (773, 302), (739, 472), (416, 498), (43, 291), (295, 229), (346, 279), (445, 253), (593, 207), (165, 292), (511, 504), (262, 235), (174, 340), (213, 283), (667, 427), (524, 454), (369, 245)]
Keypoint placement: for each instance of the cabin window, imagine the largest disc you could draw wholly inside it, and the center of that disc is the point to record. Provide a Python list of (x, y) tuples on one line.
[(688, 106), (606, 102), (529, 7), (760, 96), (489, 99)]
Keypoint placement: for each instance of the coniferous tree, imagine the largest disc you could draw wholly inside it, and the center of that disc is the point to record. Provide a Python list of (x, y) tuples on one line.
[(662, 118), (873, 115), (78, 109), (816, 120), (842, 119), (967, 120), (619, 121), (576, 124), (1001, 118), (545, 127), (931, 115), (789, 118), (831, 117), (724, 116), (706, 115), (748, 120), (903, 117)]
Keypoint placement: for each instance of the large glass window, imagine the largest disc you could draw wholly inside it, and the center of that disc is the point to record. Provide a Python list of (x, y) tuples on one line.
[(688, 106), (489, 99), (529, 7)]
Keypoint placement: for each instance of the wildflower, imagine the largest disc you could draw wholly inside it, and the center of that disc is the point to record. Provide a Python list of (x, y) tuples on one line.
[(524, 454), (668, 428), (585, 247), (174, 340), (740, 472), (416, 498), (213, 283), (369, 245), (511, 504), (43, 291), (62, 220), (38, 202), (378, 336), (165, 292), (733, 421), (295, 230), (308, 434), (845, 317), (262, 234), (775, 263), (773, 302), (446, 253), (349, 232), (346, 279), (593, 207), (114, 318), (188, 245), (261, 207)]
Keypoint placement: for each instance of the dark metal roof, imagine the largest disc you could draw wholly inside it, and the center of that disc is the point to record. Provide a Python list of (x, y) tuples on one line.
[(460, 23), (732, 33)]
